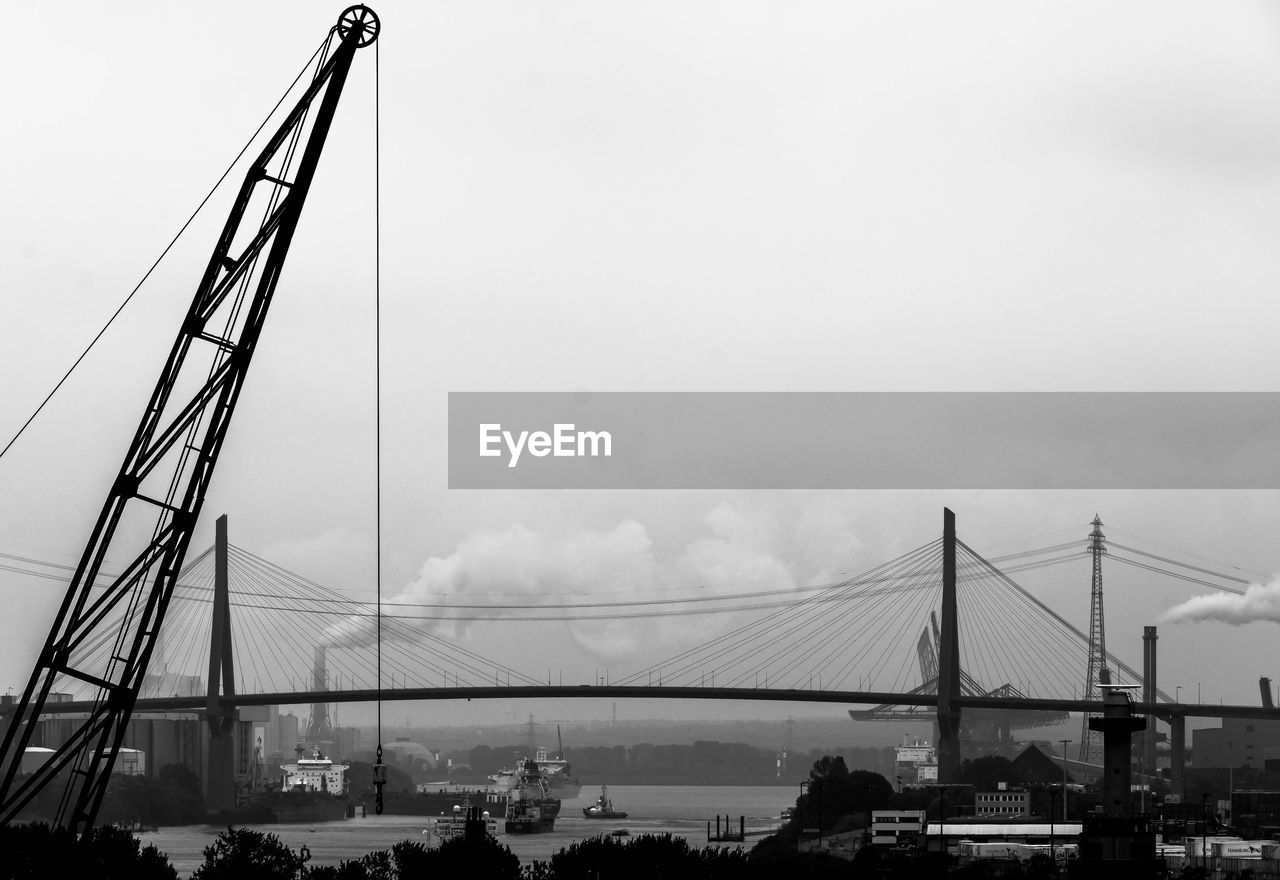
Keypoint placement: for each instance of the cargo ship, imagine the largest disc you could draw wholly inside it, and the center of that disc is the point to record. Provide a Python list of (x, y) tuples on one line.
[(558, 772), (435, 799), (312, 789), (561, 782), (560, 779), (530, 807)]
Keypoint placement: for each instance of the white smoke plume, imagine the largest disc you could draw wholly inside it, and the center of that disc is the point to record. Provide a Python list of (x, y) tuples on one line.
[(523, 566), (1259, 602)]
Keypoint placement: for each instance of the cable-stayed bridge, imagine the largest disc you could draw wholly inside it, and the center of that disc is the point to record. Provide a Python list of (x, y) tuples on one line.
[(880, 641), (875, 632)]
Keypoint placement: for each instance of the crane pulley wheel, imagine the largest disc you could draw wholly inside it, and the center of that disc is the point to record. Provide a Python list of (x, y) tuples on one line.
[(362, 19)]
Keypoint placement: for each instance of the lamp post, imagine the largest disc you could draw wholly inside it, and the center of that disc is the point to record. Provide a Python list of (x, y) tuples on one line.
[(1204, 830), (1231, 779), (1053, 853), (942, 818), (1177, 694), (1064, 742)]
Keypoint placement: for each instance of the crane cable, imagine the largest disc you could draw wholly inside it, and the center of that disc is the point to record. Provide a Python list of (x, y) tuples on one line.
[(67, 375), (379, 769)]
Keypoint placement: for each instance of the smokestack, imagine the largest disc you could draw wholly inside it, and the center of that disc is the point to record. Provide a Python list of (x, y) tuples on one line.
[(1264, 685), (1149, 639)]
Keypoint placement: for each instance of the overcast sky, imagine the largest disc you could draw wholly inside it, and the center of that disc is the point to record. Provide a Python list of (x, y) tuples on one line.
[(651, 196)]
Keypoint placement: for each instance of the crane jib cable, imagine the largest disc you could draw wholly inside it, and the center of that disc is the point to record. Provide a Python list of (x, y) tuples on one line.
[(120, 308), (379, 768)]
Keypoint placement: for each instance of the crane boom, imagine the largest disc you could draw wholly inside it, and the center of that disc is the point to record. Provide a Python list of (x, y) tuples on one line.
[(107, 626)]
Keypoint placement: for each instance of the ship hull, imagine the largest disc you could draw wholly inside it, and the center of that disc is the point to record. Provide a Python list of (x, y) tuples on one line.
[(434, 803), (516, 826), (306, 806), (564, 787), (441, 803)]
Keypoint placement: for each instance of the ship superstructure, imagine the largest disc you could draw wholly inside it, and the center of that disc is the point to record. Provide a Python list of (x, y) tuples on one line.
[(314, 773), (530, 807), (915, 763)]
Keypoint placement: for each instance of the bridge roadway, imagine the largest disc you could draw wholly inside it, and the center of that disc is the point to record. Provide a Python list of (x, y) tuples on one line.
[(1164, 711)]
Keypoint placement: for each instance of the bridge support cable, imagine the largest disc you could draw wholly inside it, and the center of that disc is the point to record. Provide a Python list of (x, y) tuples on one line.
[(1064, 629), (161, 486), (273, 654), (720, 603), (1008, 639), (852, 634), (771, 644), (815, 650), (353, 622), (1010, 648)]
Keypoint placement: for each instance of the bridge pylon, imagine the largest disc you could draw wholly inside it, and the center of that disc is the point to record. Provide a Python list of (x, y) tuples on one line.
[(948, 660), (219, 776)]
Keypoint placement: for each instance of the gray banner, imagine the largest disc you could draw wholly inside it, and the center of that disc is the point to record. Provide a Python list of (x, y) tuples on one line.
[(856, 440)]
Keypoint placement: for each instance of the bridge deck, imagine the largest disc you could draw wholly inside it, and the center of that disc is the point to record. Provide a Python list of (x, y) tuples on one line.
[(643, 692)]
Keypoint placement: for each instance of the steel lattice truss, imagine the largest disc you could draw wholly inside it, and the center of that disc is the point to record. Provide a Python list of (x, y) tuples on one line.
[(107, 627)]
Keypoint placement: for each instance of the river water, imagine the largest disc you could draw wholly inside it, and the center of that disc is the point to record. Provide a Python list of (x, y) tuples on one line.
[(682, 811)]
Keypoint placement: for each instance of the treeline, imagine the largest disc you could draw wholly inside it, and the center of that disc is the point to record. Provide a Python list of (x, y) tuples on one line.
[(707, 762), (174, 797), (36, 853)]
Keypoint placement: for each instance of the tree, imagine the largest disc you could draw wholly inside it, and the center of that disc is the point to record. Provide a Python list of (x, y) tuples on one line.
[(172, 798), (374, 866), (838, 796), (242, 854), (828, 769), (459, 857), (183, 790), (34, 852), (774, 857), (645, 857)]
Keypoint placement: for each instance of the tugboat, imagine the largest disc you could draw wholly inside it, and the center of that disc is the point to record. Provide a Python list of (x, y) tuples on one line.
[(603, 807), (530, 807)]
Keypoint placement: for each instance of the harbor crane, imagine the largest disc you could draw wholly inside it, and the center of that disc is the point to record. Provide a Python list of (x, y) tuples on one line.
[(108, 624)]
